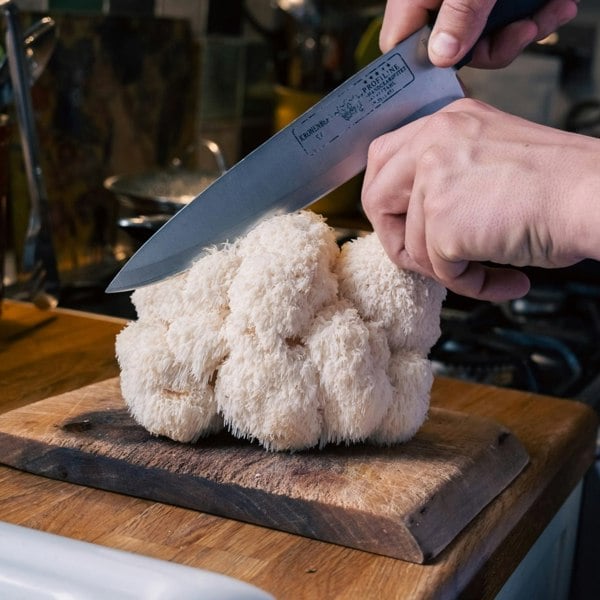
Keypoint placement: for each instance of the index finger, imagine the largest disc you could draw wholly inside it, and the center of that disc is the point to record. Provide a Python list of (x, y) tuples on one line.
[(403, 17)]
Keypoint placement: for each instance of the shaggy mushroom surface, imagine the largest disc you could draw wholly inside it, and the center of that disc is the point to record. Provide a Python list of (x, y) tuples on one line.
[(283, 338)]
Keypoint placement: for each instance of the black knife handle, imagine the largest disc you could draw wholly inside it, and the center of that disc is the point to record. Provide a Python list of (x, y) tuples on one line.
[(503, 13)]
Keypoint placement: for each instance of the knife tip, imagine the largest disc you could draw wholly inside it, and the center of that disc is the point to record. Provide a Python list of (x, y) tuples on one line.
[(115, 286)]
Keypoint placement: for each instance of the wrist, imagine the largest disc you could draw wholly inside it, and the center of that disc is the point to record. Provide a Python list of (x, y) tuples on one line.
[(584, 211)]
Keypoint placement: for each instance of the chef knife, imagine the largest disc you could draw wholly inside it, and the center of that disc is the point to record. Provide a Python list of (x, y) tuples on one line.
[(320, 150)]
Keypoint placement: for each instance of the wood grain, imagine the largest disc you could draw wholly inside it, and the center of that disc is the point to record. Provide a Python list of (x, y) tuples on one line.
[(44, 353), (559, 436), (393, 501)]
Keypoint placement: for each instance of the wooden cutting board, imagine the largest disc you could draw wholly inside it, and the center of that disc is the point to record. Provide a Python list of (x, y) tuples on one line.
[(407, 501)]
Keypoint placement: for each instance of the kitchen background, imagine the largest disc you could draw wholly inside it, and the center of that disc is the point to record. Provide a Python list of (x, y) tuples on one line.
[(132, 87)]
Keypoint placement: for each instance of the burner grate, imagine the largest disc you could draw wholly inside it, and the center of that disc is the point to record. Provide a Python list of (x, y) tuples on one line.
[(546, 342)]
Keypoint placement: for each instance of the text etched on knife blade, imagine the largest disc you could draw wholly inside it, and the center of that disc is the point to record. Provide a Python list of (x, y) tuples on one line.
[(341, 111)]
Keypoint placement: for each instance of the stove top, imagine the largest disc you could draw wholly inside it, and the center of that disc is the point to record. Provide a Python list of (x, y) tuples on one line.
[(546, 342)]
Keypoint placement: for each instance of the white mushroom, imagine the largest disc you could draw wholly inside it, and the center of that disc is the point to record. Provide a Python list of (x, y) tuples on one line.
[(352, 359), (285, 340), (405, 303), (162, 394)]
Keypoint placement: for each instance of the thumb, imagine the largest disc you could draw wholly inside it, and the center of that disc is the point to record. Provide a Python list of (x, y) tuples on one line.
[(457, 27)]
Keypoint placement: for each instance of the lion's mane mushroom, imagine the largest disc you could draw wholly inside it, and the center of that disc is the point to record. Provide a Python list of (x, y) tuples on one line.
[(284, 339)]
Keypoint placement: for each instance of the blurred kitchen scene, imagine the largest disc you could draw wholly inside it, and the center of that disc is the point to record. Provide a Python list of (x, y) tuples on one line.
[(138, 105)]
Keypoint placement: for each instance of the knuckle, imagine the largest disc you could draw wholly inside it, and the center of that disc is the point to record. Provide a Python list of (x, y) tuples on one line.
[(432, 157), (416, 253), (462, 8), (471, 104), (376, 202), (444, 123), (368, 199), (451, 251), (378, 149), (472, 9), (371, 198), (464, 120)]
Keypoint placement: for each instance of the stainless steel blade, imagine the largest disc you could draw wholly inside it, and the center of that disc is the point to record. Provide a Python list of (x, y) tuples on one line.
[(316, 153)]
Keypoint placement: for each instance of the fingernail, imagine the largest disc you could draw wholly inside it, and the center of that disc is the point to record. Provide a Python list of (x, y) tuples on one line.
[(444, 45)]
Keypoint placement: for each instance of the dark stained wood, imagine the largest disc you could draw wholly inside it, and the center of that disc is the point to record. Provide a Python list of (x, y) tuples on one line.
[(393, 501), (559, 436)]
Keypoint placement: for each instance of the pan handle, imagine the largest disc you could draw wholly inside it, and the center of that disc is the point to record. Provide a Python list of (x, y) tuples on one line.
[(214, 149)]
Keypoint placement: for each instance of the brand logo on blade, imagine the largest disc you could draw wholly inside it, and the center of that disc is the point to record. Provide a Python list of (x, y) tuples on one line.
[(357, 99)]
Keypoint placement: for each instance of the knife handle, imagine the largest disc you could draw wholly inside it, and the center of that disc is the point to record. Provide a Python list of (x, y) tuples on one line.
[(503, 13)]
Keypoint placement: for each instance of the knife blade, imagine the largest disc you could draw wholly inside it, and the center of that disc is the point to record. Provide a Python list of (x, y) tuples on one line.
[(317, 152)]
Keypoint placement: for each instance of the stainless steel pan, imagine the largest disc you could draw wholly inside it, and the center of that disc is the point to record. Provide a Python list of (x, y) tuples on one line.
[(148, 200)]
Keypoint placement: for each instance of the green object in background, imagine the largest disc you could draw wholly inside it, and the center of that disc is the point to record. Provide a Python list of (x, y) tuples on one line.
[(367, 49)]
